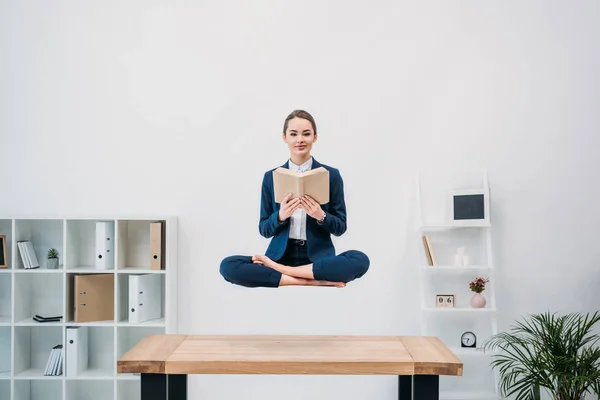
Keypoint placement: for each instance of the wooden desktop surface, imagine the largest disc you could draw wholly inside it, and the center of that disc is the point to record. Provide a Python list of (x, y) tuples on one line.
[(290, 354)]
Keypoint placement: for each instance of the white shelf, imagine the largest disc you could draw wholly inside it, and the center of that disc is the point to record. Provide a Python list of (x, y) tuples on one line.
[(5, 350), (5, 298), (41, 294), (479, 380), (38, 389), (29, 321), (25, 344), (463, 351), (32, 347), (78, 389), (459, 309), (39, 271), (4, 388), (128, 389), (443, 227)]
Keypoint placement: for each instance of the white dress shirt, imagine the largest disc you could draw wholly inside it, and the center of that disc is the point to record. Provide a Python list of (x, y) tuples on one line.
[(298, 218)]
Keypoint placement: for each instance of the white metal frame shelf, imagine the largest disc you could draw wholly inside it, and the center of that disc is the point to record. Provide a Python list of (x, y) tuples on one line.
[(25, 344), (453, 319)]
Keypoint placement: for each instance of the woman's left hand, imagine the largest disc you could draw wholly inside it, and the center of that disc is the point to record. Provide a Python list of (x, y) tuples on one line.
[(312, 207)]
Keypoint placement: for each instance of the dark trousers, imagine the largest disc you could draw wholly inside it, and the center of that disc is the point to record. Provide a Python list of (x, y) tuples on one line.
[(344, 267)]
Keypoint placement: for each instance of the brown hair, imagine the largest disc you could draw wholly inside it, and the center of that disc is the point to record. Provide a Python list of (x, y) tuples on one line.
[(300, 114)]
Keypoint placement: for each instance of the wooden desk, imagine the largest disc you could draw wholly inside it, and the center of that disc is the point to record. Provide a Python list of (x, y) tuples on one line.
[(165, 361)]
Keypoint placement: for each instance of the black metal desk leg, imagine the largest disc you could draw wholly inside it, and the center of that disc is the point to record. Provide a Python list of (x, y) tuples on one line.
[(153, 386), (163, 387), (426, 387), (177, 387), (405, 387)]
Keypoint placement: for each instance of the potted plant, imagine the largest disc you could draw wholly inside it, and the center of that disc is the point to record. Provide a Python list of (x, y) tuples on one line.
[(556, 353), (52, 259), (478, 286)]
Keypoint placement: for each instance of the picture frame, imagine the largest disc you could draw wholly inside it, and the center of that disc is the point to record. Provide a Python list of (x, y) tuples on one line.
[(3, 252), (444, 301), (470, 207)]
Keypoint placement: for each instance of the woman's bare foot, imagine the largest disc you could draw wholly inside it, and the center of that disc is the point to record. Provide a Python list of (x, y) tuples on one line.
[(313, 282), (267, 262), (301, 271)]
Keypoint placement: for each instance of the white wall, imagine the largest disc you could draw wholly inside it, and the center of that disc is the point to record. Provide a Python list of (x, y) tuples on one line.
[(176, 107)]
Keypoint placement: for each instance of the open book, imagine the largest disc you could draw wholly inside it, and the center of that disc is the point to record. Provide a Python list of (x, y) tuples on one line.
[(314, 183)]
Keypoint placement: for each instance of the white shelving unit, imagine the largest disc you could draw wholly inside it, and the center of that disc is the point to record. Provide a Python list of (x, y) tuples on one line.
[(25, 344), (479, 381)]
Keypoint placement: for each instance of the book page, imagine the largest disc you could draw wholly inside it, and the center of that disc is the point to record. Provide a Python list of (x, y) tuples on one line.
[(315, 183), (285, 181)]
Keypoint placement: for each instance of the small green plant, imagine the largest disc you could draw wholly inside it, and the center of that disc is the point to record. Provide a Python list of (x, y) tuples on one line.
[(52, 253), (558, 353)]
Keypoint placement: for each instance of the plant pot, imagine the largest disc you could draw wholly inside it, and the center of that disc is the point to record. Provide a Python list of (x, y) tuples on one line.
[(478, 301), (52, 263)]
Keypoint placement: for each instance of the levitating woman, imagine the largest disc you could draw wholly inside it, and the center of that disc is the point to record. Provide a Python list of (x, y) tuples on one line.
[(301, 251)]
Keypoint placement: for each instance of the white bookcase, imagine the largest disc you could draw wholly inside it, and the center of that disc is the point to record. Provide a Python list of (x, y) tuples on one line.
[(25, 344), (479, 381)]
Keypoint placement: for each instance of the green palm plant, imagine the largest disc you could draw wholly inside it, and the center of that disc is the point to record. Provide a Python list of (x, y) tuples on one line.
[(557, 353)]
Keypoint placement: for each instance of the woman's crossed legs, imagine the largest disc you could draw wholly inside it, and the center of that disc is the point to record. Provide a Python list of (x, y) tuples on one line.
[(295, 269)]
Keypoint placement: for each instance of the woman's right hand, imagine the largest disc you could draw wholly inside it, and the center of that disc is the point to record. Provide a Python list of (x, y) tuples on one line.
[(288, 207)]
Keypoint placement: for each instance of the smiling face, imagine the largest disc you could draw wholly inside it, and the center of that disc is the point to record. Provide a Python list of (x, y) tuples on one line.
[(299, 136)]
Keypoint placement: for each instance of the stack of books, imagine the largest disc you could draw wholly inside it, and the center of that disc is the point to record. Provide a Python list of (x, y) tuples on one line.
[(27, 254), (54, 366)]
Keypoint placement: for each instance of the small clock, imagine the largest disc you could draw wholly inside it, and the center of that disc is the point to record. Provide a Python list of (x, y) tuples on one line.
[(468, 339)]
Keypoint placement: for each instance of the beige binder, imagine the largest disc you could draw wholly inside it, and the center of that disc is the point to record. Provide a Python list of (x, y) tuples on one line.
[(94, 297), (157, 245)]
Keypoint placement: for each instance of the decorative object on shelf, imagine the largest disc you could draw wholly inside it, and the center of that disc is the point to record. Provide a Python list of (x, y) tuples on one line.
[(478, 286), (52, 259), (468, 340), (470, 207), (3, 253), (461, 259), (558, 353), (428, 250), (444, 300)]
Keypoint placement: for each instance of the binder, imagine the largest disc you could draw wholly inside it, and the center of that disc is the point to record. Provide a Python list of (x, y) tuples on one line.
[(77, 350), (105, 245), (145, 297), (157, 245), (94, 297)]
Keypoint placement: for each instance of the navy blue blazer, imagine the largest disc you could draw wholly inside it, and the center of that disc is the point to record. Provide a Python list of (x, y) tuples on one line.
[(318, 237)]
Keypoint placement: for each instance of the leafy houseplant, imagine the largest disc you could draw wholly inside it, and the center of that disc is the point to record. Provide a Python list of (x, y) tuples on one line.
[(52, 257), (478, 286), (556, 353)]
